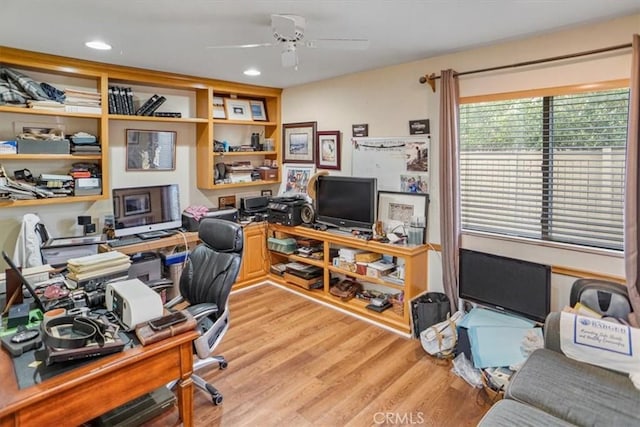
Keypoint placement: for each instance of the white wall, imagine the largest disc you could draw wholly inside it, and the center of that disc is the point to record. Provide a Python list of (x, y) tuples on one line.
[(388, 98)]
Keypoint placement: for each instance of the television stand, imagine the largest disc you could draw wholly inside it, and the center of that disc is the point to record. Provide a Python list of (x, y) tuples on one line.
[(410, 284)]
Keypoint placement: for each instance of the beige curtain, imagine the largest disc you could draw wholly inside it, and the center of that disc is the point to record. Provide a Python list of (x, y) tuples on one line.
[(632, 185), (449, 188)]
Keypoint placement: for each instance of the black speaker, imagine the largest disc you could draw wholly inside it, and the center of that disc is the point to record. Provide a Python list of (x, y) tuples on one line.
[(307, 214)]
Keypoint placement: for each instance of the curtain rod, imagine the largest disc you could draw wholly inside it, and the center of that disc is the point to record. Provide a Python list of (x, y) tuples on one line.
[(431, 78)]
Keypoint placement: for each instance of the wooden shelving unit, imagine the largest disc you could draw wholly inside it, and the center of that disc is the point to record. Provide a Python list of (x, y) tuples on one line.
[(415, 260), (94, 76)]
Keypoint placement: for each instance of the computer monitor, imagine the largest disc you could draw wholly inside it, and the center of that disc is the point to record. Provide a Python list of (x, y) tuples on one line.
[(505, 284), (139, 210)]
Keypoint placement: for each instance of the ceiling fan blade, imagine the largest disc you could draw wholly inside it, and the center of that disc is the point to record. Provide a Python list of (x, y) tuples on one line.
[(241, 46), (347, 44), (285, 25)]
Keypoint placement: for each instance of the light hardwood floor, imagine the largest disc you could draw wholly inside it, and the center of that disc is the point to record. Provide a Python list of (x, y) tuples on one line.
[(293, 362)]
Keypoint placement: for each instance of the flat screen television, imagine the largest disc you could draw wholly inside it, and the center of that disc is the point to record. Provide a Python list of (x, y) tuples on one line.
[(346, 202), (140, 210), (506, 284)]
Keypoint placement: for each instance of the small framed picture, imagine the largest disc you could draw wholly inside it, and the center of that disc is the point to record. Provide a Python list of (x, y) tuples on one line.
[(360, 130), (238, 109), (328, 150), (298, 142), (266, 193), (257, 110)]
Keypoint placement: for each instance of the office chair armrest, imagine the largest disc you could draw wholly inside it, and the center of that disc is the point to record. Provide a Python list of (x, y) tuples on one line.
[(175, 301), (200, 310), (160, 284)]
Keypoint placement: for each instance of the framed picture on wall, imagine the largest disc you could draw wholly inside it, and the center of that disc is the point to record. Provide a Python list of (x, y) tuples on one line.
[(298, 142), (151, 150), (328, 150)]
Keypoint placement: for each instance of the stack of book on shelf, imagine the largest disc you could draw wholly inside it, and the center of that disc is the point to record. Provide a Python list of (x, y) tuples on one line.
[(107, 265), (82, 101), (84, 143), (309, 248), (45, 105), (239, 171), (121, 100)]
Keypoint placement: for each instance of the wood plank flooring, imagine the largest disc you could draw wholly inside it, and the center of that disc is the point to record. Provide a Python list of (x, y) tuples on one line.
[(293, 362)]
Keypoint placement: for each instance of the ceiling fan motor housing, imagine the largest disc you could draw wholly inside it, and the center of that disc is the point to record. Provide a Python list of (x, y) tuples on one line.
[(288, 28)]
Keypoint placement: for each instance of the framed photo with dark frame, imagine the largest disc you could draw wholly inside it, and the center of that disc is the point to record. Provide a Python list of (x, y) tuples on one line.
[(266, 193), (151, 150), (298, 142), (328, 150), (396, 209), (137, 204)]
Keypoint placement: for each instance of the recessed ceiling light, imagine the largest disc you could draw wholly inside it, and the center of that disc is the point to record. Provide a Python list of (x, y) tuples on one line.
[(97, 44), (252, 72)]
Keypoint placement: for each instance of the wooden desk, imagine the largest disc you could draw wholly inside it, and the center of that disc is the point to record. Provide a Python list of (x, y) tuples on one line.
[(75, 397), (154, 244)]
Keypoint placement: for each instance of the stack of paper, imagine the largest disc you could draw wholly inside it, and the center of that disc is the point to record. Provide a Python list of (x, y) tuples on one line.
[(496, 338), (97, 265)]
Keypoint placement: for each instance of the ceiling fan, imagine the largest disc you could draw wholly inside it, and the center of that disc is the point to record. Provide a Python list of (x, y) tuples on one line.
[(288, 32)]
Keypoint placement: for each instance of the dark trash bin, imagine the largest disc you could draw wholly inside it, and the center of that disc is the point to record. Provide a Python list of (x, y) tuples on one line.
[(429, 309)]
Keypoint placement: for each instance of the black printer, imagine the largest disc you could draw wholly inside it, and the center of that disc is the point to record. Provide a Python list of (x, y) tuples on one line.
[(285, 210)]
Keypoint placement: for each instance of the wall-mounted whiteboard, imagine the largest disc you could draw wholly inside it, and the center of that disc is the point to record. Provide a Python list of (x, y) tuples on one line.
[(399, 163)]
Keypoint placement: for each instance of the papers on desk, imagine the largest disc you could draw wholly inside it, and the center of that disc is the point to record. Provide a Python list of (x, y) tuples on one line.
[(496, 338)]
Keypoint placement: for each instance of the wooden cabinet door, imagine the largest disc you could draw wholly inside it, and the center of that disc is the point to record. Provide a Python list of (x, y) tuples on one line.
[(254, 259)]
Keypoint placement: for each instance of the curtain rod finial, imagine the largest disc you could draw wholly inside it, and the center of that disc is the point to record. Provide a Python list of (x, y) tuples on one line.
[(429, 79)]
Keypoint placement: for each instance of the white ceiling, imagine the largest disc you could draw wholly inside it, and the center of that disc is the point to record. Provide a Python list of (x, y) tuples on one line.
[(172, 35)]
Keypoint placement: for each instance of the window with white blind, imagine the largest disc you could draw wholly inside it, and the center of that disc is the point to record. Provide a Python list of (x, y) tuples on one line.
[(548, 168)]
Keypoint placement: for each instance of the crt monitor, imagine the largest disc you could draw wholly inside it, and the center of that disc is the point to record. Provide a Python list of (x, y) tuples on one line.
[(505, 284), (346, 202), (138, 210)]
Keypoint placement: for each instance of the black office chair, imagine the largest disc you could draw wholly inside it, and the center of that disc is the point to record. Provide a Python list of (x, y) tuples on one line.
[(205, 284)]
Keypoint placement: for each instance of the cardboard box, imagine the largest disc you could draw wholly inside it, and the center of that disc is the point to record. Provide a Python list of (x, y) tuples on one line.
[(36, 146)]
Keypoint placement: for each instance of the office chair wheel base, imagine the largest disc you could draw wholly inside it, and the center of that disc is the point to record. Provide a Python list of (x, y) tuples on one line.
[(223, 365), (217, 399)]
